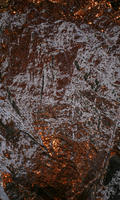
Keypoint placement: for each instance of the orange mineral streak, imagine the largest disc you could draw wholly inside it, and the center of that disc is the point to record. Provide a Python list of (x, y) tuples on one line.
[(80, 13), (112, 153), (2, 98), (61, 169), (6, 177), (36, 1), (55, 1), (56, 145)]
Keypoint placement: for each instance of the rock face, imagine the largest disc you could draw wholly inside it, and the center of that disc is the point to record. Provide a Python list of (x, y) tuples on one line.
[(59, 102)]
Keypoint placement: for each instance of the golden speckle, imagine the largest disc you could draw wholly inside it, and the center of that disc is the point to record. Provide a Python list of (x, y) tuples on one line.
[(89, 8), (14, 12), (89, 22)]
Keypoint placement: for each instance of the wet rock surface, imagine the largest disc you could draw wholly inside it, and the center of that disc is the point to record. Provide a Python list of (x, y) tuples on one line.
[(59, 101)]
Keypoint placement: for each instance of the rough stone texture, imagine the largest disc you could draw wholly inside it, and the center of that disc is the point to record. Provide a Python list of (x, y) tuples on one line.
[(59, 101)]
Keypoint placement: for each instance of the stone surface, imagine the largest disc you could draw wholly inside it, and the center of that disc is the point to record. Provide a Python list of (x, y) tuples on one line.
[(59, 100)]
